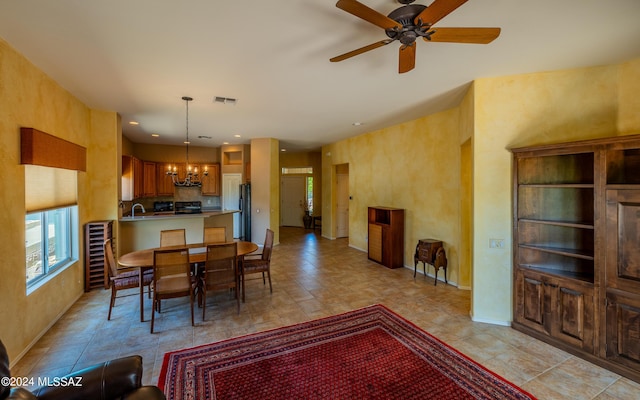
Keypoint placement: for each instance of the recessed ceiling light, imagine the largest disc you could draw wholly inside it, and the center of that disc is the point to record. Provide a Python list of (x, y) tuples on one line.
[(155, 135), (225, 142), (236, 135), (134, 123), (283, 149), (357, 123), (186, 142)]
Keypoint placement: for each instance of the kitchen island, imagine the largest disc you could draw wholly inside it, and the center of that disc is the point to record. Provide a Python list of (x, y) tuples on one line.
[(142, 231)]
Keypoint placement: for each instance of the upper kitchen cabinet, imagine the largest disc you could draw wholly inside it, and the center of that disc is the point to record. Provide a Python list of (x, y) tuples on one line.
[(211, 182), (148, 179), (132, 178), (164, 183)]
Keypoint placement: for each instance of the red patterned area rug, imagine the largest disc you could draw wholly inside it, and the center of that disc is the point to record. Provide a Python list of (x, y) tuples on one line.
[(369, 353)]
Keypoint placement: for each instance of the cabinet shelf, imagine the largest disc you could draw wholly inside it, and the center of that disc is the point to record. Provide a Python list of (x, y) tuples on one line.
[(570, 224), (549, 270), (560, 251), (559, 185)]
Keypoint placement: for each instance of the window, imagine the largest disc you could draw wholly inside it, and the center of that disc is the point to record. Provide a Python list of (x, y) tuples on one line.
[(49, 237), (310, 194)]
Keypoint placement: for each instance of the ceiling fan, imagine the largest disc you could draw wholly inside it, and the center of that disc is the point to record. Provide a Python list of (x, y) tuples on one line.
[(411, 21)]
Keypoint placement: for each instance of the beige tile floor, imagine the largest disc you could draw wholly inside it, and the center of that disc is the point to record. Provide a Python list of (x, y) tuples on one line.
[(315, 277)]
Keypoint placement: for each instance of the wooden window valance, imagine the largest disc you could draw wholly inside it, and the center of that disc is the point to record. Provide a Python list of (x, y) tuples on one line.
[(39, 148)]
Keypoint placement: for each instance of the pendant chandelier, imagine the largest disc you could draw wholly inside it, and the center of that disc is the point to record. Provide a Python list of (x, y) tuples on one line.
[(191, 178)]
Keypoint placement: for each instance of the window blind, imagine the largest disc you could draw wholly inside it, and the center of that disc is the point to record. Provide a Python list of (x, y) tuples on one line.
[(47, 188)]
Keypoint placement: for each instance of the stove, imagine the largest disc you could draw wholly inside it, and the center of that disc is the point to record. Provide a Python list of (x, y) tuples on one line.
[(188, 207)]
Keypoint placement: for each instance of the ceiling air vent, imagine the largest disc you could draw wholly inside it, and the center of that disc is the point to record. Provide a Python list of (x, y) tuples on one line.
[(225, 100)]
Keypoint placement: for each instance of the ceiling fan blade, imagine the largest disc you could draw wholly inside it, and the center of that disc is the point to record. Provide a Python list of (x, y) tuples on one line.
[(407, 58), (361, 50), (464, 35), (368, 14), (437, 10)]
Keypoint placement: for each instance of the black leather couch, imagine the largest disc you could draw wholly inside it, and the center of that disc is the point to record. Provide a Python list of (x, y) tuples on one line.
[(116, 379)]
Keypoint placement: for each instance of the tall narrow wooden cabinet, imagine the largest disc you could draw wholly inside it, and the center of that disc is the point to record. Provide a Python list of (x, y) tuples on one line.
[(576, 232), (386, 236), (96, 274)]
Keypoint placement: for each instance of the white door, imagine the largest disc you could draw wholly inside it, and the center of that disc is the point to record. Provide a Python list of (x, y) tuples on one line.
[(292, 199), (342, 205), (231, 198)]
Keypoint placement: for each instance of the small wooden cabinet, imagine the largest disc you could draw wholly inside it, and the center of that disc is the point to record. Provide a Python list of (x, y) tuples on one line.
[(576, 238), (96, 274), (386, 236)]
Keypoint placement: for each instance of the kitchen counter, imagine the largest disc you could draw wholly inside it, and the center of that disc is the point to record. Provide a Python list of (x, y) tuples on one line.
[(143, 230), (170, 215)]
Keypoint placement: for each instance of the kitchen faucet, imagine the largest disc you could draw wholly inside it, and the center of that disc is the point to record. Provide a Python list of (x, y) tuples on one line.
[(134, 207)]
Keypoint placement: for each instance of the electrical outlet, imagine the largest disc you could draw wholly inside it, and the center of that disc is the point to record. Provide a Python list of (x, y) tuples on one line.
[(496, 243)]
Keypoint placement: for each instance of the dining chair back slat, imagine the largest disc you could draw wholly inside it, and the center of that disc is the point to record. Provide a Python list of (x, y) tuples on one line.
[(220, 271), (173, 237), (215, 235), (171, 278)]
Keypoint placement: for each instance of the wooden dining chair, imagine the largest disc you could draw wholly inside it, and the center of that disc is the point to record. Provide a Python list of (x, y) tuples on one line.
[(171, 278), (258, 263), (173, 237), (219, 272), (214, 235), (120, 279)]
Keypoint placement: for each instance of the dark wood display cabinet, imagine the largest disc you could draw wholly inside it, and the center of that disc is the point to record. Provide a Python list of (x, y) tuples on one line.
[(386, 236), (576, 232)]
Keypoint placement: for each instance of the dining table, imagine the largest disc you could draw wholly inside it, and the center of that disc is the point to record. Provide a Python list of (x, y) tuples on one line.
[(143, 259)]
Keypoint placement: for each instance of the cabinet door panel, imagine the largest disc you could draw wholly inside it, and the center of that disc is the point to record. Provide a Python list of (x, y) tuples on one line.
[(375, 242), (149, 179), (574, 322), (623, 329), (164, 183), (532, 308), (623, 240)]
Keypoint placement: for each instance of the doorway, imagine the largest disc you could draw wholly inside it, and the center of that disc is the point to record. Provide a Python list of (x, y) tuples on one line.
[(342, 200), (292, 200), (231, 198)]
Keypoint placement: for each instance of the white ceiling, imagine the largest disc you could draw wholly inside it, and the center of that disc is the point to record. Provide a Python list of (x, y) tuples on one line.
[(139, 57)]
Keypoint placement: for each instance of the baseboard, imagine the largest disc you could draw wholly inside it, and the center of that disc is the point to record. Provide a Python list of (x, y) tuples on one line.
[(490, 321), (16, 359)]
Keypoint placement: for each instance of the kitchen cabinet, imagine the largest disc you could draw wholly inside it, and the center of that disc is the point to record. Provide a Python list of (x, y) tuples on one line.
[(576, 248), (132, 176), (164, 183), (386, 236), (148, 179), (211, 182)]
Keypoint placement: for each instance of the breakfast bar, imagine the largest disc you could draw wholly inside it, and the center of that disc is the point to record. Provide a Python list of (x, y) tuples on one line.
[(143, 230)]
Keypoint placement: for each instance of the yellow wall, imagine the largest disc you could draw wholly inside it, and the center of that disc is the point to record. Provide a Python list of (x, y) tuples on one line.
[(414, 166), (525, 110), (29, 98), (628, 98)]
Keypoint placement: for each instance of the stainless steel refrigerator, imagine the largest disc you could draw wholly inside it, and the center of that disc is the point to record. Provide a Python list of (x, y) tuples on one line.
[(245, 212)]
